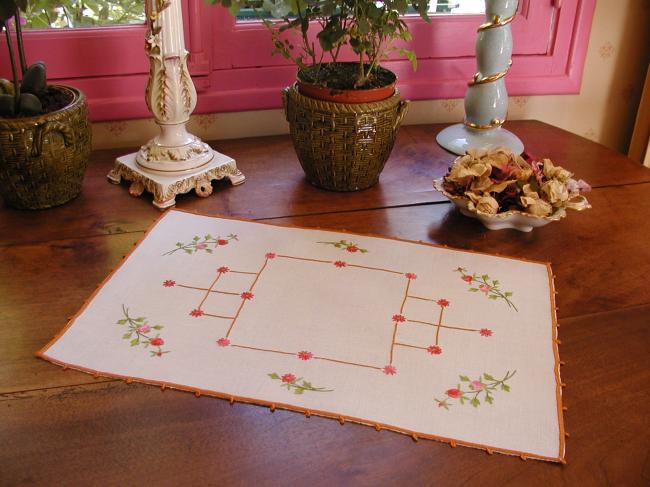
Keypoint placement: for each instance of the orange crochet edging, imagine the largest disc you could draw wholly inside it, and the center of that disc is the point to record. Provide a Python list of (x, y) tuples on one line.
[(556, 354), (378, 426)]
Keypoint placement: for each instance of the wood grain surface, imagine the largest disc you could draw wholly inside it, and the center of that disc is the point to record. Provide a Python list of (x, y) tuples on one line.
[(67, 428)]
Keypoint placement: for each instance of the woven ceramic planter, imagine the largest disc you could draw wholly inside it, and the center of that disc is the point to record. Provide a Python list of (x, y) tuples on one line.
[(43, 158), (342, 146)]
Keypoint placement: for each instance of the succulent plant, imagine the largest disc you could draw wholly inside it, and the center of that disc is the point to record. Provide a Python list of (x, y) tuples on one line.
[(22, 97)]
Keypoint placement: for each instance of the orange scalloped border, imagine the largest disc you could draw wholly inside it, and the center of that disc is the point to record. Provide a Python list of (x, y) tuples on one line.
[(326, 414)]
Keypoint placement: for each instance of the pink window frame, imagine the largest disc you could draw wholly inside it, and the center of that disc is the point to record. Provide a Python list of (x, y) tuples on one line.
[(109, 65)]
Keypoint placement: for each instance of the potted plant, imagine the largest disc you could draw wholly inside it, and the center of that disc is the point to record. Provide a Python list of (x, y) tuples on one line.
[(343, 115), (44, 129)]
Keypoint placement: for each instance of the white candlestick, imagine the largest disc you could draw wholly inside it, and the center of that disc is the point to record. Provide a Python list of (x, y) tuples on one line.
[(175, 161)]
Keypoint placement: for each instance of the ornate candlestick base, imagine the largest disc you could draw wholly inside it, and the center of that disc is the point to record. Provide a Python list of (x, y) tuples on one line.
[(166, 185), (459, 139)]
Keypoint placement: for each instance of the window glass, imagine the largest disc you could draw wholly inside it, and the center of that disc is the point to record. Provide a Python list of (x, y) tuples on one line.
[(43, 14), (436, 7)]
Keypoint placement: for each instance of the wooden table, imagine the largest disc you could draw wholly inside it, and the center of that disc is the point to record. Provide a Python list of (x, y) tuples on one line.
[(67, 428)]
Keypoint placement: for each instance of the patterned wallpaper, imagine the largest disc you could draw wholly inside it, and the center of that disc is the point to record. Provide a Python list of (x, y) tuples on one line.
[(604, 111)]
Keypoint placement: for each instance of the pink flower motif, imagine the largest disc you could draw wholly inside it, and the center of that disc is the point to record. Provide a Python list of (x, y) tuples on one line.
[(222, 242), (434, 350), (156, 342), (169, 283), (201, 246), (288, 378), (443, 303), (484, 288), (340, 263), (196, 312), (467, 279), (143, 329), (454, 393), (410, 275), (270, 255), (485, 332), (246, 295), (223, 269), (476, 385), (223, 342), (389, 370), (352, 248), (399, 318), (304, 355)]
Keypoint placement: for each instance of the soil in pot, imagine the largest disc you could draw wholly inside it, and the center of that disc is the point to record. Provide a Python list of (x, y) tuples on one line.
[(43, 158), (336, 82)]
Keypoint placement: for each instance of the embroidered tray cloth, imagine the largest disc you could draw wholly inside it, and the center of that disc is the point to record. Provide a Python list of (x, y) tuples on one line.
[(428, 341)]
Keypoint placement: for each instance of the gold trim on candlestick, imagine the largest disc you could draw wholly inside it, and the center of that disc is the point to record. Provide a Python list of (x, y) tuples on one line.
[(493, 124), (488, 79), (496, 22)]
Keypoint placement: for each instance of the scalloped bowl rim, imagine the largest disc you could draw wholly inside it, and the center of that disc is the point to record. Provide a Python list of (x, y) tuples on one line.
[(461, 202)]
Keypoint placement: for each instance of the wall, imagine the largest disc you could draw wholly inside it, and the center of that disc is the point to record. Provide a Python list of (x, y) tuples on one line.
[(604, 111)]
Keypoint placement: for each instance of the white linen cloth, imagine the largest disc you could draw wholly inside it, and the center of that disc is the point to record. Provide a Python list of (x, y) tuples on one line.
[(433, 342)]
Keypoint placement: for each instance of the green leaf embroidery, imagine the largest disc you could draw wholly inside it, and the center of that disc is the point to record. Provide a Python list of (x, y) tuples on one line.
[(490, 288), (480, 387), (140, 328), (296, 385)]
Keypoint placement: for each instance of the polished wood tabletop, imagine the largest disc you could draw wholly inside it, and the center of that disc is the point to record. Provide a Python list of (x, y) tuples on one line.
[(67, 428)]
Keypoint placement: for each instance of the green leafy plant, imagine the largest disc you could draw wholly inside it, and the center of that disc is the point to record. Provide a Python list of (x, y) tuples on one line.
[(370, 29), (24, 97), (82, 13)]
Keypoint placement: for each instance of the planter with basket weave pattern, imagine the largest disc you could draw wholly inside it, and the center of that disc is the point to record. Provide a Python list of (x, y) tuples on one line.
[(342, 146), (43, 158), (342, 135)]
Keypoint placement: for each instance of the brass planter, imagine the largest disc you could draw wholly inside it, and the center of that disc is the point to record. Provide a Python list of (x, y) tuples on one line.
[(343, 146), (43, 159)]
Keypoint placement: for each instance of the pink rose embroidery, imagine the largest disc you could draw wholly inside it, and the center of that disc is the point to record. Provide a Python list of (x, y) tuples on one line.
[(304, 355), (201, 246), (289, 378), (484, 288), (169, 283), (389, 370), (144, 328), (476, 385), (223, 342)]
